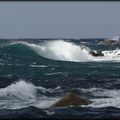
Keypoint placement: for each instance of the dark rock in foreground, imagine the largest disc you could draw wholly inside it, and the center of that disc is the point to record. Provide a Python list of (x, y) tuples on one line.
[(71, 100), (99, 53)]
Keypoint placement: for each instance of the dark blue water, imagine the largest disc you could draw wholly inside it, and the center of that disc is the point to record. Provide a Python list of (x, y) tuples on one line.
[(34, 74)]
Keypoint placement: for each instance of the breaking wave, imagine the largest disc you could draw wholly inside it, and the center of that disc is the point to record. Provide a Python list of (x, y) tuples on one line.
[(62, 50), (68, 51), (24, 94), (106, 97)]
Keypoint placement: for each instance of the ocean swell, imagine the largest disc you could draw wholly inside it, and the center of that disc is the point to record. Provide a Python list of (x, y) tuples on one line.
[(67, 51)]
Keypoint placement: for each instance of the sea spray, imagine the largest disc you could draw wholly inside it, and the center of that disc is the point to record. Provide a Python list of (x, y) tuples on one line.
[(24, 94), (62, 50), (68, 51), (106, 97), (20, 90)]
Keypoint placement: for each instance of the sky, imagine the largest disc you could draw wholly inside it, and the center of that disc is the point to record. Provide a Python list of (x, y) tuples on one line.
[(59, 19)]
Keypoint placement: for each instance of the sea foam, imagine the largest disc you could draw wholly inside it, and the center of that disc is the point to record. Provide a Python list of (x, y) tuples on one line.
[(104, 97), (24, 94), (68, 51)]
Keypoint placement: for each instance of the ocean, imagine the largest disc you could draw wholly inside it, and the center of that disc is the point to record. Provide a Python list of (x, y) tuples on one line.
[(34, 74)]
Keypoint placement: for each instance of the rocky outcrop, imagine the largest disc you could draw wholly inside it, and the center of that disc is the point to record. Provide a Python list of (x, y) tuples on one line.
[(71, 99), (99, 53), (109, 42)]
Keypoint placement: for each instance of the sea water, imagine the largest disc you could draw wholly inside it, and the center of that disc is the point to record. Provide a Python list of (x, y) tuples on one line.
[(34, 75)]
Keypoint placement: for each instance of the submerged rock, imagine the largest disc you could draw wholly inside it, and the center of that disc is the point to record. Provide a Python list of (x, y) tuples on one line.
[(71, 99)]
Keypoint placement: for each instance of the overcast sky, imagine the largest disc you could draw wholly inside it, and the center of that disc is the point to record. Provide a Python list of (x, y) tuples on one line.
[(59, 19)]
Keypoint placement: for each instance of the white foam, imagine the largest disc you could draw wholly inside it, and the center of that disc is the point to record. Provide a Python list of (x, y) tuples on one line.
[(54, 73), (46, 102), (24, 94), (41, 66), (107, 97), (68, 51), (20, 89), (109, 55), (62, 50)]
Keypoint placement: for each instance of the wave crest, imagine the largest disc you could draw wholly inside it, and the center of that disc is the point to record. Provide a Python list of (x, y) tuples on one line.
[(20, 90), (106, 97), (62, 50), (68, 51), (24, 94)]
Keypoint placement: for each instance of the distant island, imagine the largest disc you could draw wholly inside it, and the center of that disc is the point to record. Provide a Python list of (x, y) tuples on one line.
[(99, 41), (110, 41)]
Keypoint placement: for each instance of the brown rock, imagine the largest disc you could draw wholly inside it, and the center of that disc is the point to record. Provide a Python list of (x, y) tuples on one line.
[(71, 100)]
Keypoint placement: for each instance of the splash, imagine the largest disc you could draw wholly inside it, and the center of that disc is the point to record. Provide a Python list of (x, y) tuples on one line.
[(24, 94), (62, 50), (20, 90), (109, 55), (68, 51), (106, 98)]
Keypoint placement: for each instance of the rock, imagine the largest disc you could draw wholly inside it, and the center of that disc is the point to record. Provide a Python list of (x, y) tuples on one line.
[(99, 53), (110, 41), (92, 53), (71, 99)]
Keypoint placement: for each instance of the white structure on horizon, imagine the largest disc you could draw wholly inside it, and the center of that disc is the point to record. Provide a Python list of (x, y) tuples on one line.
[(115, 38)]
